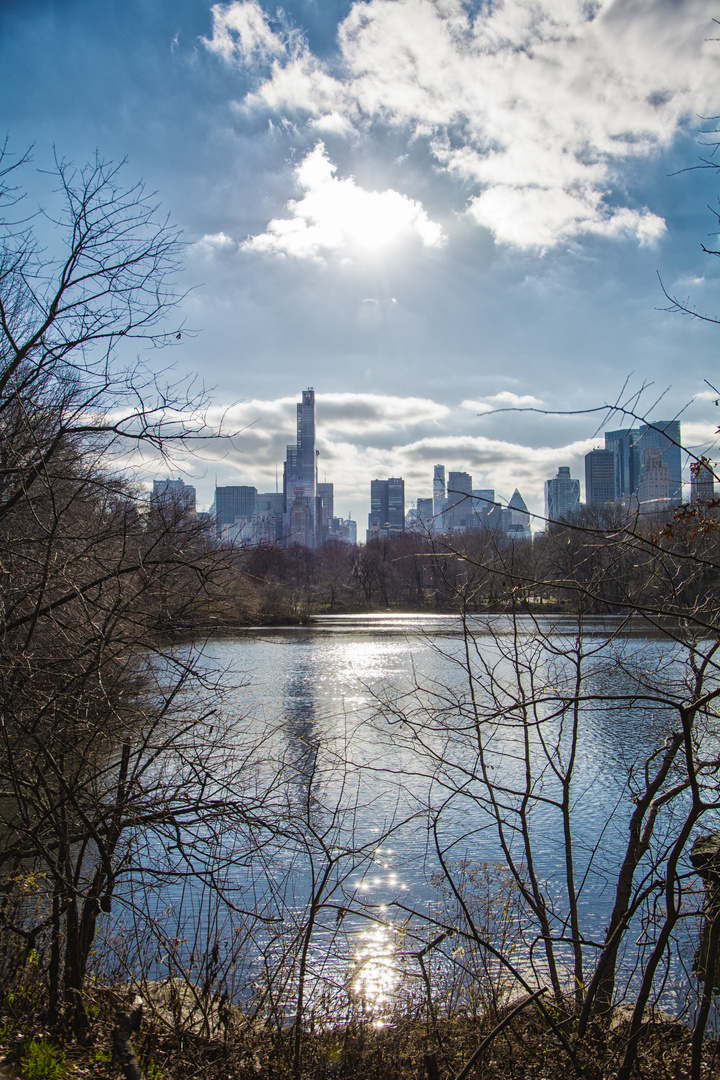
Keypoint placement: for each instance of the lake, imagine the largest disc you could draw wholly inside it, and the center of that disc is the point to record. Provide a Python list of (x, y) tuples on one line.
[(386, 760)]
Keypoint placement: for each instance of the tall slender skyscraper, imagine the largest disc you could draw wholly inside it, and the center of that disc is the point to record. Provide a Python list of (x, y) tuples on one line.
[(438, 489), (438, 495), (300, 477)]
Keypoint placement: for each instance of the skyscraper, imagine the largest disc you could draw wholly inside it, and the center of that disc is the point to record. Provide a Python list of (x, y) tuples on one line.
[(515, 521), (663, 435), (487, 512), (233, 502), (438, 495), (325, 512), (654, 482), (458, 515), (627, 460), (387, 506), (629, 444), (425, 512), (702, 483), (599, 477), (173, 494), (300, 476), (562, 496)]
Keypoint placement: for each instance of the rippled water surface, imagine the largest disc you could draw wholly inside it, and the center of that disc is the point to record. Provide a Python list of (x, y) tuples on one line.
[(370, 722)]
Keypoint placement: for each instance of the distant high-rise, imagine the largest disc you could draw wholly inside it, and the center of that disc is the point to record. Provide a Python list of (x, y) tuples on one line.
[(232, 503), (300, 475), (515, 520), (627, 460), (387, 506), (425, 511), (663, 435), (438, 495), (599, 477), (173, 493), (562, 496), (629, 445), (325, 512), (487, 513), (654, 482), (268, 522), (458, 515), (299, 523), (702, 484)]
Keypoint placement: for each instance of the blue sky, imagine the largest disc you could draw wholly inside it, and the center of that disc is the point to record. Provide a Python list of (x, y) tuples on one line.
[(425, 209)]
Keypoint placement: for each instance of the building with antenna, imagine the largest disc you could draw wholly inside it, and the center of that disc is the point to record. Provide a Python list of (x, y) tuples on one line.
[(300, 477)]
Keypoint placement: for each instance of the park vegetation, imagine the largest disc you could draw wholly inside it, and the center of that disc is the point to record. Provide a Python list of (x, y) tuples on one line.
[(127, 765)]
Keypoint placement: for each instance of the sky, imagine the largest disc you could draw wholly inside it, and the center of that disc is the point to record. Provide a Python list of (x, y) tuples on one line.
[(452, 219)]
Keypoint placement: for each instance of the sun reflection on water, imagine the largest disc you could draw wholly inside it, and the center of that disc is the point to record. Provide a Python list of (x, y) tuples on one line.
[(375, 976)]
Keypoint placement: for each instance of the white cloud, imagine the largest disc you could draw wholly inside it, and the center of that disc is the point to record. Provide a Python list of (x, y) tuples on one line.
[(533, 106), (503, 400), (336, 215), (375, 413), (357, 414), (531, 217), (517, 401), (215, 243), (703, 436), (241, 32), (332, 122)]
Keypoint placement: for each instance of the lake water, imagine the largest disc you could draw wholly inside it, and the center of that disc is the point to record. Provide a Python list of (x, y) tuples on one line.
[(381, 747)]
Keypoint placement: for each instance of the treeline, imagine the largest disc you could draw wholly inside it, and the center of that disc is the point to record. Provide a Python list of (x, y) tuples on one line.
[(593, 564)]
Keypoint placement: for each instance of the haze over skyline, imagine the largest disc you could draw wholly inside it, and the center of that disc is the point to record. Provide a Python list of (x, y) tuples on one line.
[(424, 210)]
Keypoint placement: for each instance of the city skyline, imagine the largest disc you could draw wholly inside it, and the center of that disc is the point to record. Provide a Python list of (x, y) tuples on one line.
[(430, 241), (640, 468), (415, 462)]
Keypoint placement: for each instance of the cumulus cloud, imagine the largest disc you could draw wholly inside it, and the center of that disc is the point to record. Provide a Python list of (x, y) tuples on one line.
[(534, 107), (336, 216), (530, 217)]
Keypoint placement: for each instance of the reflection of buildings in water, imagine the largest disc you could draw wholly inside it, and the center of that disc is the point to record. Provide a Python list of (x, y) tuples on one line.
[(300, 728)]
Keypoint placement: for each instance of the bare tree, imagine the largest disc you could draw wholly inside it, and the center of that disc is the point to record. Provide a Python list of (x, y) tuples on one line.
[(105, 742)]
